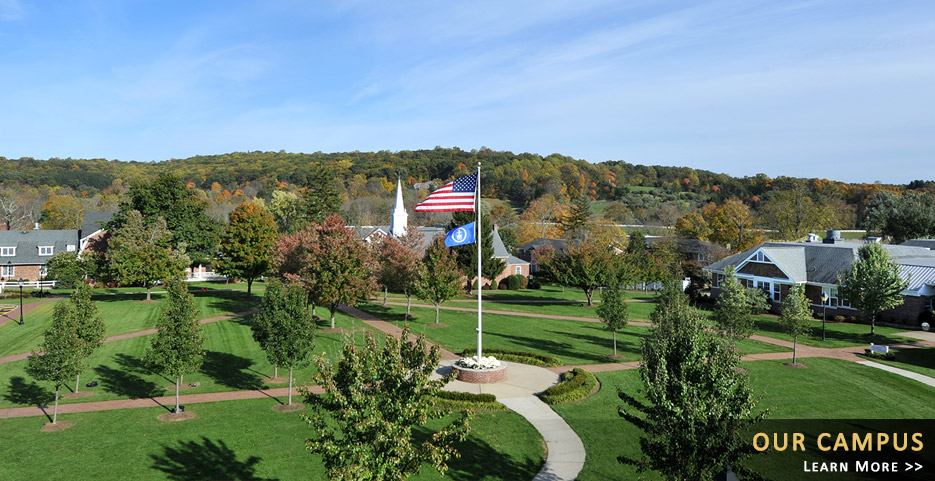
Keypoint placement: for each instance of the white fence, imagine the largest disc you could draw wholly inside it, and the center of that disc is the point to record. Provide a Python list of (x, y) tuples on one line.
[(27, 285)]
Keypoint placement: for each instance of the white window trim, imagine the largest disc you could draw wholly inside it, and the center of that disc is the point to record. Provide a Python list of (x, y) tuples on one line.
[(70, 248), (8, 271), (519, 270), (50, 252), (4, 250)]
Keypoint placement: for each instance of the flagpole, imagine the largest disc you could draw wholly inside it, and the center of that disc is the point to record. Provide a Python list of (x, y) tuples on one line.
[(480, 284)]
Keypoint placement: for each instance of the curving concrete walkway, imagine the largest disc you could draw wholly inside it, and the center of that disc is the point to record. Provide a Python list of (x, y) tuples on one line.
[(565, 453), (901, 372)]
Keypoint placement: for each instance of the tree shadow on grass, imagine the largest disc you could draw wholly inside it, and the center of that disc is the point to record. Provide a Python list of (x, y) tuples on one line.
[(387, 314), (28, 393), (230, 301), (230, 370), (627, 342), (480, 460), (123, 381), (196, 461)]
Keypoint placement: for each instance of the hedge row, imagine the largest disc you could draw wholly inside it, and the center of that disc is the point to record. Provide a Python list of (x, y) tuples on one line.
[(522, 357), (573, 385), (462, 401)]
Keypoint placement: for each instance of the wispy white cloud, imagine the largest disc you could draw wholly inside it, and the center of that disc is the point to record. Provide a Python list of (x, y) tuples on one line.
[(11, 10)]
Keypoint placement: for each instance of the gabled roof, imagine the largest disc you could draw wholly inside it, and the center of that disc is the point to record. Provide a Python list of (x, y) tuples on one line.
[(499, 250), (27, 244), (822, 263), (94, 221)]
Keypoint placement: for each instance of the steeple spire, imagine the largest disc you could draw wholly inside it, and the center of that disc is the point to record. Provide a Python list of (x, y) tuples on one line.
[(400, 216)]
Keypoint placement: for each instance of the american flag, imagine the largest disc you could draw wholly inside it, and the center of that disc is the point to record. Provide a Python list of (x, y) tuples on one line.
[(454, 196)]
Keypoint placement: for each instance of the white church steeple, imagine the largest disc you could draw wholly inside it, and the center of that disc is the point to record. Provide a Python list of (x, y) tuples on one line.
[(400, 216)]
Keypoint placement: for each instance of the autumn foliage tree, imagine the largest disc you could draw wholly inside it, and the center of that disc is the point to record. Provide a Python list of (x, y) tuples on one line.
[(398, 264), (330, 261), (247, 243)]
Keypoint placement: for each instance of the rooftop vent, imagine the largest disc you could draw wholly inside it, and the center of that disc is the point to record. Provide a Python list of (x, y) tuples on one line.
[(832, 237)]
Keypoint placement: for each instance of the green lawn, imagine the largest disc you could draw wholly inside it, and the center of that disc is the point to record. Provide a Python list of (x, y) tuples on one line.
[(233, 361), (837, 334), (574, 342), (829, 388), (231, 440), (122, 313), (921, 360)]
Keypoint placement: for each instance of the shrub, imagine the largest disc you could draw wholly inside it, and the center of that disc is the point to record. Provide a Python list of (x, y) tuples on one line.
[(522, 357), (890, 356), (573, 385), (461, 401), (534, 284), (503, 285), (512, 282), (838, 319), (523, 281)]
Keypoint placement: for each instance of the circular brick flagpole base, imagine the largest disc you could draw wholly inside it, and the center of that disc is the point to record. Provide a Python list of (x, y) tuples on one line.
[(481, 376)]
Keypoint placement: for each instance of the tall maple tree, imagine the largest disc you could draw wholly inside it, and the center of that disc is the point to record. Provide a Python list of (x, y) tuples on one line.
[(246, 247)]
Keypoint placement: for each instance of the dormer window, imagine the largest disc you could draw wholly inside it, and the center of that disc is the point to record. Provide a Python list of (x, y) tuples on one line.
[(46, 250), (7, 251), (70, 248)]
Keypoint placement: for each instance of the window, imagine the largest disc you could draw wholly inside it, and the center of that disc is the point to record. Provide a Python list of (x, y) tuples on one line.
[(834, 300), (760, 256), (8, 271), (7, 251), (46, 250), (519, 270), (70, 248), (777, 292)]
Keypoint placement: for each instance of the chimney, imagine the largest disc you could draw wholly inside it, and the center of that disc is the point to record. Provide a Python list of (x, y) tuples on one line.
[(832, 237)]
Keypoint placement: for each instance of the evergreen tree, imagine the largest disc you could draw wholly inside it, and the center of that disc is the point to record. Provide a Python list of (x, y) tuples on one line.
[(284, 327), (61, 354), (178, 345), (873, 284), (576, 223), (735, 305), (696, 401), (467, 254), (376, 405), (322, 197), (796, 318)]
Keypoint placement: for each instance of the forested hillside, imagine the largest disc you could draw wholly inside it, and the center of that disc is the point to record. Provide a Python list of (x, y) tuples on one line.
[(535, 186)]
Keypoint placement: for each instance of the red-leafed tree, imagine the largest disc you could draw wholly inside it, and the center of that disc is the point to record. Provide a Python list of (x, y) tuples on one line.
[(330, 261), (398, 264)]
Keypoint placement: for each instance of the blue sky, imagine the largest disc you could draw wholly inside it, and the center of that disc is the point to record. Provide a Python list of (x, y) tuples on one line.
[(837, 89)]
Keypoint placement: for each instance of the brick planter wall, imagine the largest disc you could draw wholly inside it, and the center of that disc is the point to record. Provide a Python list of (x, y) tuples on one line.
[(481, 376)]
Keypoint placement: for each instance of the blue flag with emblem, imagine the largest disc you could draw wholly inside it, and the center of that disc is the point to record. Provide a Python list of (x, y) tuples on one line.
[(460, 236)]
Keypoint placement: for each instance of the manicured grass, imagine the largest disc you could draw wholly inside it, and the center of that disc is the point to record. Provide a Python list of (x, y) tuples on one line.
[(231, 440), (574, 342), (837, 334), (921, 360), (829, 388), (121, 313), (233, 361)]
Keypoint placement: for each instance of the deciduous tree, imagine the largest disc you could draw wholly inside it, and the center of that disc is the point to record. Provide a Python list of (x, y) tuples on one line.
[(61, 354), (247, 243), (178, 345), (792, 213), (376, 399), (731, 224), (88, 324), (586, 266), (438, 278), (873, 284), (491, 267), (398, 261), (67, 270), (284, 327), (613, 310), (143, 254), (796, 316)]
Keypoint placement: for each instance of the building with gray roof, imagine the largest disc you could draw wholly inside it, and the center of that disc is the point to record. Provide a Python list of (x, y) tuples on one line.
[(776, 266)]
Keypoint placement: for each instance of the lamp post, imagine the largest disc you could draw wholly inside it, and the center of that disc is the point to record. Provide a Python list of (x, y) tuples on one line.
[(824, 311), (21, 301), (726, 475)]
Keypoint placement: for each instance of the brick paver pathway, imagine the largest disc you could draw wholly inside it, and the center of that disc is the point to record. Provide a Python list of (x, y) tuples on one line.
[(388, 328)]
